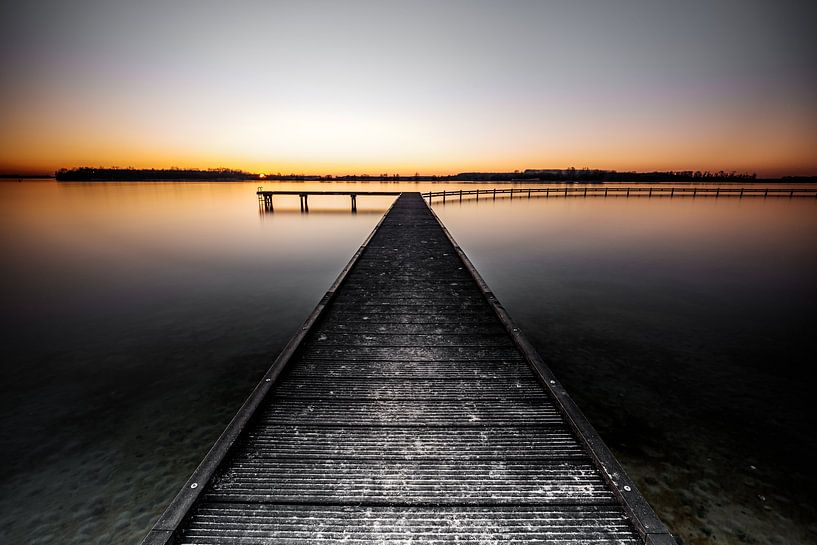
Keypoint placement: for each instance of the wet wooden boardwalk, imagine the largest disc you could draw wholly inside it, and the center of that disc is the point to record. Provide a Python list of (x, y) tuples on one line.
[(408, 409)]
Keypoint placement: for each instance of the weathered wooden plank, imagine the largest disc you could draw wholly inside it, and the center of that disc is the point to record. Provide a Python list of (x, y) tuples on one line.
[(256, 524), (351, 443), (452, 328), (327, 338), (398, 307), (420, 290), (417, 482), (463, 352), (390, 388), (417, 413), (360, 318), (485, 369)]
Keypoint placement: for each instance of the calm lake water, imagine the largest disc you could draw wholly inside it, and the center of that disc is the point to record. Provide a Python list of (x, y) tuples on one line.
[(137, 317)]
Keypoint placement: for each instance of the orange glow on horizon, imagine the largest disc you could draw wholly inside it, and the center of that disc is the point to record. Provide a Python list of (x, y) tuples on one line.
[(773, 169), (429, 148)]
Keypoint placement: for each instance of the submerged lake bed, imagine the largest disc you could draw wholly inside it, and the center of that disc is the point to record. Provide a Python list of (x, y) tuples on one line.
[(137, 317)]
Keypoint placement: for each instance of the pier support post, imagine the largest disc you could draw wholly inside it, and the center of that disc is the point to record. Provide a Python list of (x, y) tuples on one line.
[(354, 203)]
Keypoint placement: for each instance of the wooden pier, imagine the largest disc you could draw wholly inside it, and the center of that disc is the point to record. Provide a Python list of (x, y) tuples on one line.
[(409, 409), (265, 197)]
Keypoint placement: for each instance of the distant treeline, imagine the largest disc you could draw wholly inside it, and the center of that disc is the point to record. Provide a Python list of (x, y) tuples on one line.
[(797, 180), (89, 174), (565, 175), (595, 175), (570, 175)]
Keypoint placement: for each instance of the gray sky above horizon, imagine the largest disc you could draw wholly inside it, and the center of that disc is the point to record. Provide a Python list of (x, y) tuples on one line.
[(334, 87)]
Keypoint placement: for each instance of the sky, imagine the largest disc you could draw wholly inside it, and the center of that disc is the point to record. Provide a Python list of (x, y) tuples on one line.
[(403, 87)]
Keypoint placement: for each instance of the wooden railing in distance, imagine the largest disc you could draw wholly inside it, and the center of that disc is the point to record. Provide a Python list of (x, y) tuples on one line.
[(629, 191)]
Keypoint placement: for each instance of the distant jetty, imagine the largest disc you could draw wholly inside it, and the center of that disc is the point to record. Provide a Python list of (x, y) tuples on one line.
[(569, 175)]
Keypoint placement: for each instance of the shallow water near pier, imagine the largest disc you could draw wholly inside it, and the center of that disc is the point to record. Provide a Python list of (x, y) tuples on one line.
[(136, 317)]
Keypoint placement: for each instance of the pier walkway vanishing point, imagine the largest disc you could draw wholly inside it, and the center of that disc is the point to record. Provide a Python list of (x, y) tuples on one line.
[(409, 409)]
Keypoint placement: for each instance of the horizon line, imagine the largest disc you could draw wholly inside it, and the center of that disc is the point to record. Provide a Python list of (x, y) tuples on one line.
[(32, 173)]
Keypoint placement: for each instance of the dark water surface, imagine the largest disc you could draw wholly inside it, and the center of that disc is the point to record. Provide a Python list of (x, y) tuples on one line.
[(137, 317)]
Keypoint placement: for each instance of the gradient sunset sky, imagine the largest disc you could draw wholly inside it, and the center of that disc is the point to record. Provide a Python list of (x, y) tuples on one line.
[(435, 87)]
